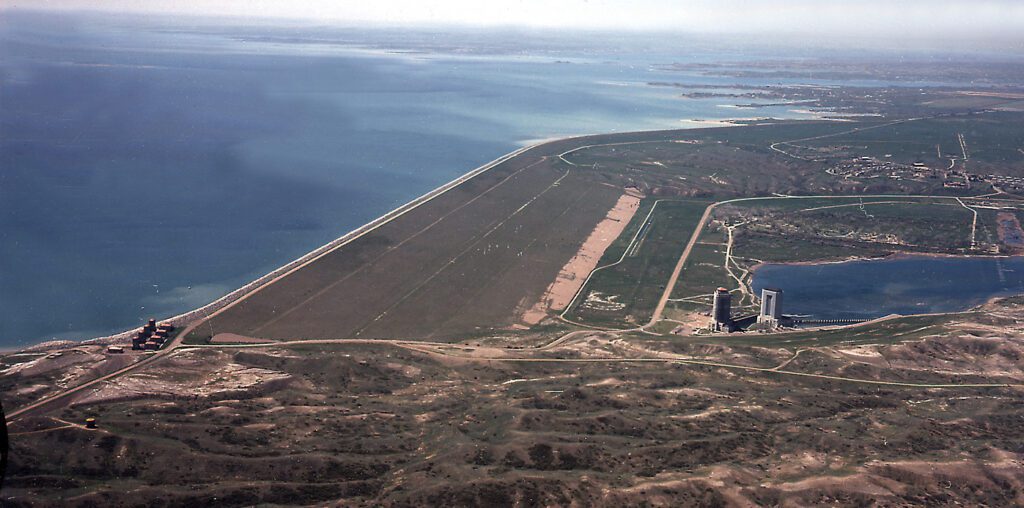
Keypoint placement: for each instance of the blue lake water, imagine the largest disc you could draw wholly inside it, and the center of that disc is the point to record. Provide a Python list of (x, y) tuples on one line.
[(148, 167), (906, 285)]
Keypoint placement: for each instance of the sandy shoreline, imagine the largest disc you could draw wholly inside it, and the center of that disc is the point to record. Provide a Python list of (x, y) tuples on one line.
[(697, 123)]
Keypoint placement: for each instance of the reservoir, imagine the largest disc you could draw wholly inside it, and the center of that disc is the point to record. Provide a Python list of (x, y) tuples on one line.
[(192, 159), (866, 289), (150, 166)]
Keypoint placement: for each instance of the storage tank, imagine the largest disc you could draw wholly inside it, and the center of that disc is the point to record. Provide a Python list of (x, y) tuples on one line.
[(721, 310)]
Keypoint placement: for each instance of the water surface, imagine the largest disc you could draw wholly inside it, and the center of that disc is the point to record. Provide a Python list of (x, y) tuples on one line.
[(907, 285), (150, 165)]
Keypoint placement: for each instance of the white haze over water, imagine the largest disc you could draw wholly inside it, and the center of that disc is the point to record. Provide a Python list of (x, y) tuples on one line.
[(953, 22)]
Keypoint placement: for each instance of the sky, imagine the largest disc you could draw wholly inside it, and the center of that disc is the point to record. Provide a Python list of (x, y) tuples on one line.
[(928, 18)]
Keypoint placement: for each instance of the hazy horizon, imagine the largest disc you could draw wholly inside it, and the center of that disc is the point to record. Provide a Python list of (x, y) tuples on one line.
[(1009, 48), (916, 23)]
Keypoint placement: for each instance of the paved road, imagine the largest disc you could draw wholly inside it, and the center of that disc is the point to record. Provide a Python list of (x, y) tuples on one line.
[(632, 243), (659, 310), (65, 396)]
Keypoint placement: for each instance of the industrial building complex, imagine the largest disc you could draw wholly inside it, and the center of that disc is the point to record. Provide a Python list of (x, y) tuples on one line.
[(770, 316), (152, 336)]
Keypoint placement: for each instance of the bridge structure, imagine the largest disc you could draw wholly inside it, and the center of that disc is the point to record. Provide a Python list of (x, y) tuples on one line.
[(802, 321)]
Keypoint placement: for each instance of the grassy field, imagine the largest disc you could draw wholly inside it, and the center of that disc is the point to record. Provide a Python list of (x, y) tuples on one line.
[(868, 228), (464, 261), (795, 230), (704, 269), (638, 281), (992, 141), (699, 167)]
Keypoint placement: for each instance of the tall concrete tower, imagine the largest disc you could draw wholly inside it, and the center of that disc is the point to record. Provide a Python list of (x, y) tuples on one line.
[(721, 311), (771, 306)]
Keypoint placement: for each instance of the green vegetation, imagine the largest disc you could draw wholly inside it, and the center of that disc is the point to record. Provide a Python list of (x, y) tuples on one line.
[(626, 293), (773, 248), (704, 269), (992, 141), (625, 239), (466, 264), (866, 228), (463, 263), (795, 230), (197, 337)]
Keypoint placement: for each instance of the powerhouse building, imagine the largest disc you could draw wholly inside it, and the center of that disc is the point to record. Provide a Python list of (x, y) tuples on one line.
[(771, 307)]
